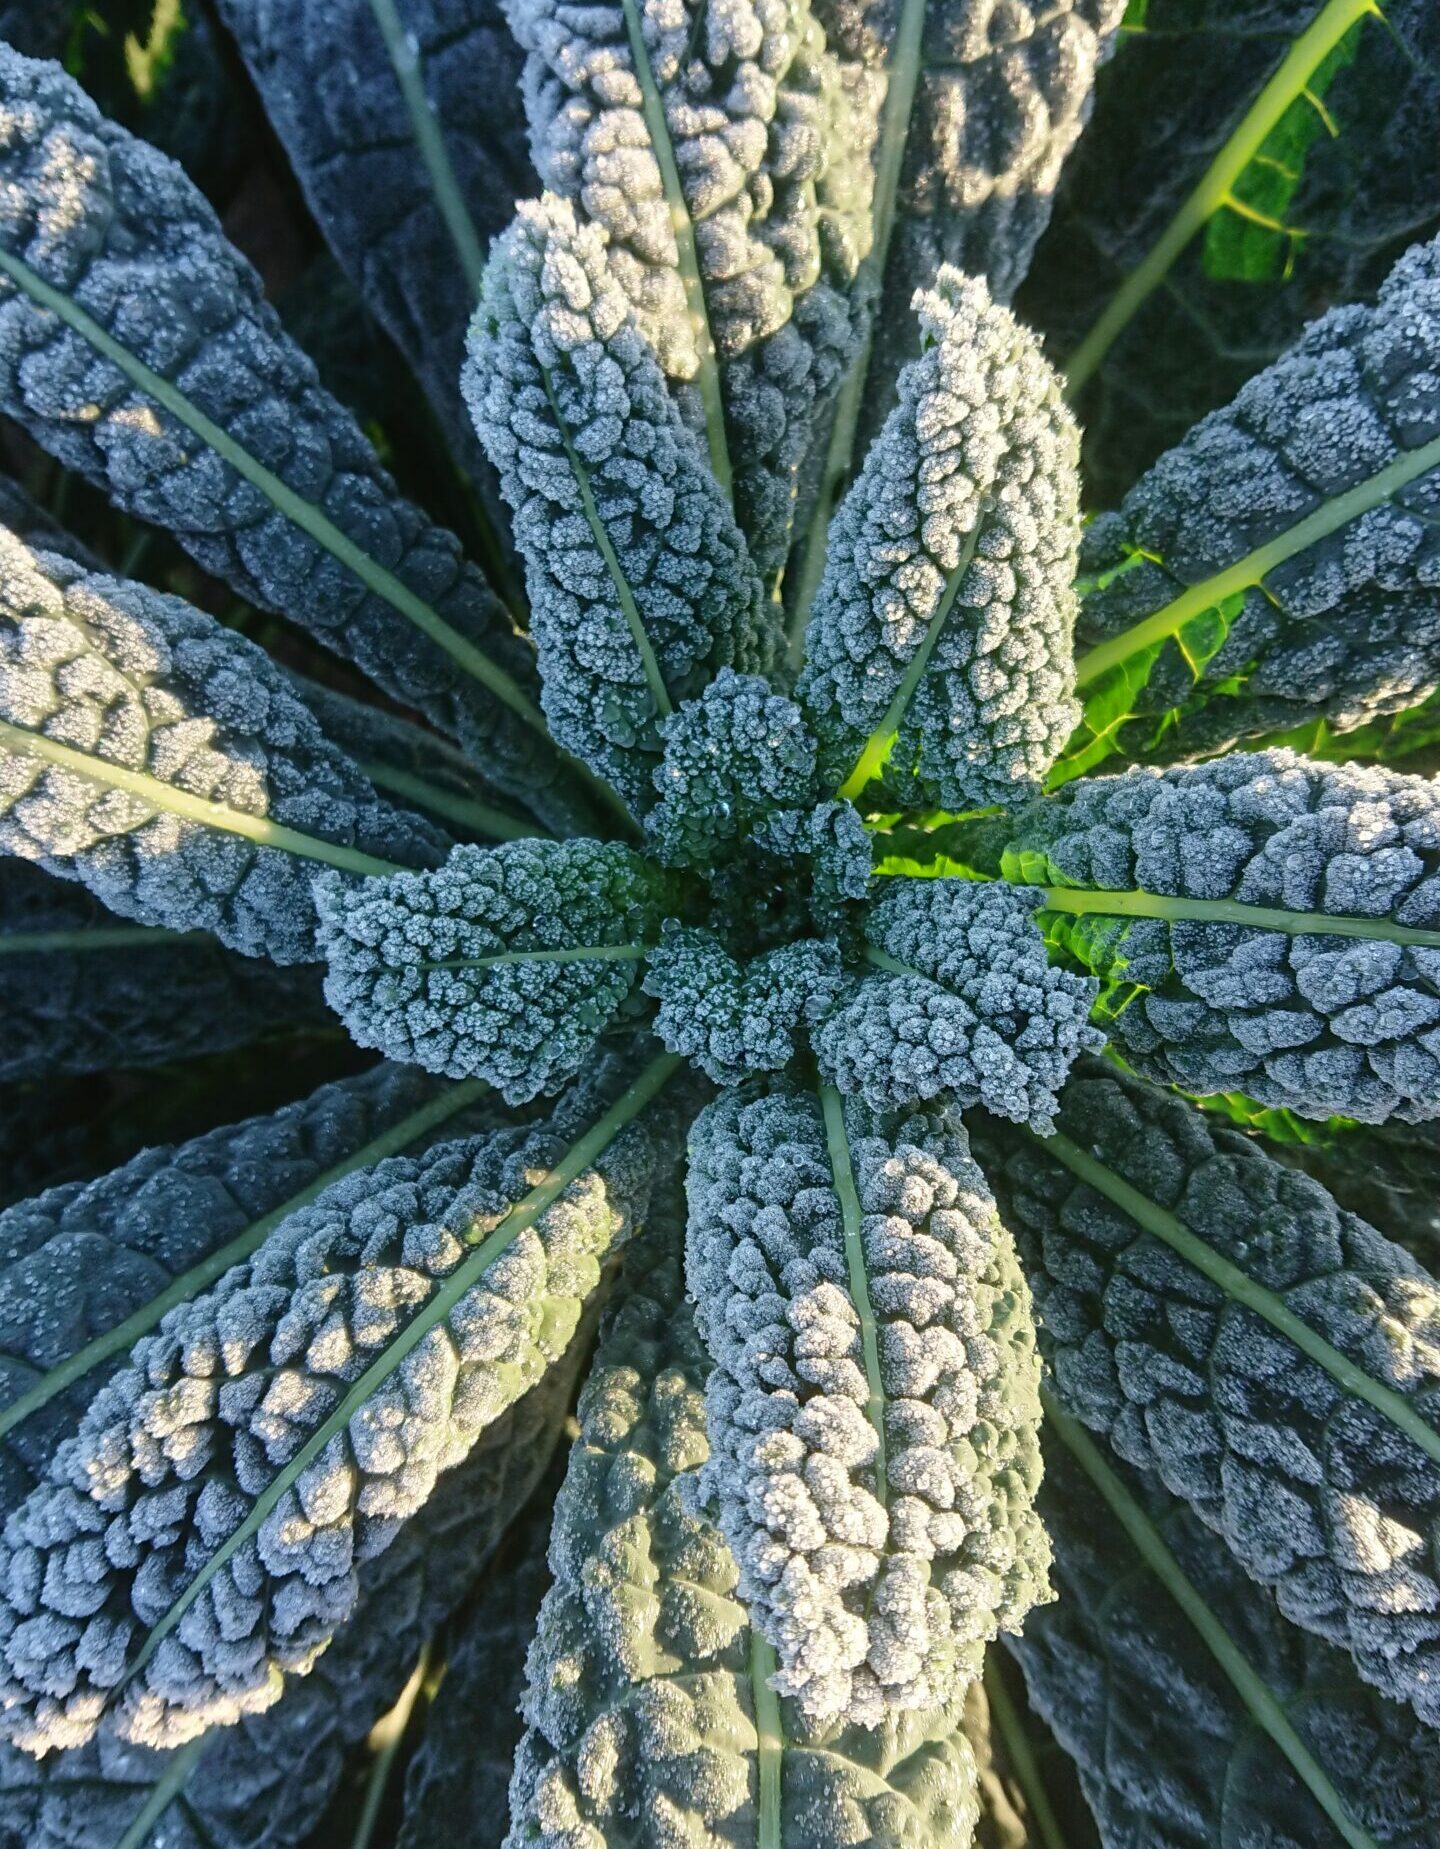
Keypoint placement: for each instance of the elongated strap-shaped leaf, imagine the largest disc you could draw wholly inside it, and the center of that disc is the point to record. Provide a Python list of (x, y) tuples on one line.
[(1280, 566), (277, 1431), (140, 351), (505, 965), (872, 1412), (960, 1000), (410, 147), (650, 1719), (414, 766), (640, 585), (727, 155), (87, 1268), (1272, 1357), (82, 991), (937, 655), (1264, 925), (1194, 1713), (164, 762), (266, 1782), (980, 109), (1241, 170)]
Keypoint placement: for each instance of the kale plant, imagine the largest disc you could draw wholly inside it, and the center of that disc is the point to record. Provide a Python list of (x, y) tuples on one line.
[(779, 914)]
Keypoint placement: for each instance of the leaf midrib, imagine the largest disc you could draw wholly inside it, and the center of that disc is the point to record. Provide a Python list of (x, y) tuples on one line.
[(581, 1154)]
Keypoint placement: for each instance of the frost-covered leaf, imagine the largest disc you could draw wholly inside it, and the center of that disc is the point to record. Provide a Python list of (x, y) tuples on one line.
[(733, 1019), (938, 653), (89, 1267), (1252, 1734), (82, 992), (960, 1000), (649, 1717), (165, 763), (410, 148), (138, 349), (506, 964), (266, 1782), (728, 156), (1282, 564), (1246, 167), (872, 1413), (1273, 1358), (640, 584), (275, 1432), (1261, 924), (413, 765)]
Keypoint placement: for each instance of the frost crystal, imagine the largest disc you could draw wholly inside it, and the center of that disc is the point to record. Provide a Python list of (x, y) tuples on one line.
[(734, 1020), (940, 636), (640, 585), (169, 707), (174, 1451), (502, 965), (1317, 1492), (1323, 1024), (876, 1570), (976, 1011)]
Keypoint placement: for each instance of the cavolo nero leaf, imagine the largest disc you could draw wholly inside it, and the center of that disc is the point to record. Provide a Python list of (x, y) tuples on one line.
[(365, 1347), (140, 351), (83, 991), (1247, 166), (266, 1782), (409, 164), (1273, 1358), (164, 762), (1195, 1715), (1280, 566), (89, 1267), (649, 1715)]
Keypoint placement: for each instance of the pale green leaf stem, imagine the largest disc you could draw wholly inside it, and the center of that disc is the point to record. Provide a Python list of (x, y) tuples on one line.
[(1215, 187), (1260, 1700), (164, 798), (581, 1155), (838, 1147), (95, 937), (1243, 1289), (480, 818), (769, 1744), (708, 378), (902, 77), (1021, 1756), (163, 1793), (200, 1277)]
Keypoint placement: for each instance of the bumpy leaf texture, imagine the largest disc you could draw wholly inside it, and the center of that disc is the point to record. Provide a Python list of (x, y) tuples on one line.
[(648, 1715), (334, 95), (116, 284), (266, 1782), (1003, 91), (1222, 613), (1297, 1018), (639, 581), (130, 1576), (737, 241), (961, 1000), (1167, 1751), (505, 965), (78, 1261), (81, 993), (1318, 1492), (1344, 182), (873, 1409), (459, 1779), (164, 762), (938, 648)]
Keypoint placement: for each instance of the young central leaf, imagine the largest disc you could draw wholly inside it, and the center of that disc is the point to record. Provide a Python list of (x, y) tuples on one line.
[(938, 650), (873, 1413), (640, 585), (505, 965)]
